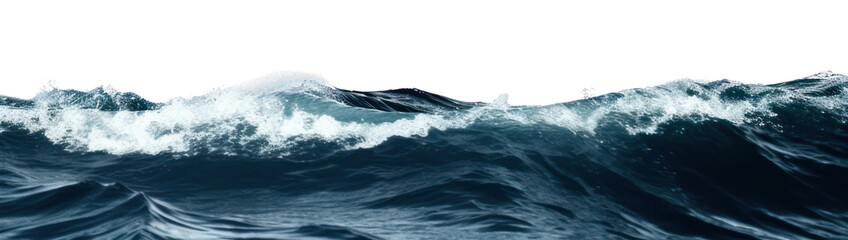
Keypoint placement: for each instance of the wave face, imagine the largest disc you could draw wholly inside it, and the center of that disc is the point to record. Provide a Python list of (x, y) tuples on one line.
[(687, 159)]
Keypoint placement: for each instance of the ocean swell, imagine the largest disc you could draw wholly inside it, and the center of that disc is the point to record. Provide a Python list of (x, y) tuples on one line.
[(292, 157)]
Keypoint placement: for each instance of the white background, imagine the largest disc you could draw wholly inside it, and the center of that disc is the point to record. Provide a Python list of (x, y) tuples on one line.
[(539, 52)]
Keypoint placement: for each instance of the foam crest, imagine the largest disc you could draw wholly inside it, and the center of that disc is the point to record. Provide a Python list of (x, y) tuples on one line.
[(643, 110), (219, 122), (237, 120), (282, 82), (684, 99)]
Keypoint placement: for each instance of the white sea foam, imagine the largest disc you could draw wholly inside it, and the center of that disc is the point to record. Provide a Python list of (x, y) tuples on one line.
[(501, 101), (180, 125), (666, 102), (281, 81), (230, 119)]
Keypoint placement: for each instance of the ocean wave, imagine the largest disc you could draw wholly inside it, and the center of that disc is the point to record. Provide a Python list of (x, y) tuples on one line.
[(687, 159)]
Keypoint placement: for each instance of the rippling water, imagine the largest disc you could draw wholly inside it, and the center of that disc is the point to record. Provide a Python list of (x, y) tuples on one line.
[(687, 159)]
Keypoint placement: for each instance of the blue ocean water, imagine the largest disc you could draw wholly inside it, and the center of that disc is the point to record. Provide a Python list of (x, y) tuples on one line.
[(683, 160)]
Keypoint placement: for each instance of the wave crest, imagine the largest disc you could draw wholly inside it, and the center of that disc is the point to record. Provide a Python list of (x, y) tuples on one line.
[(247, 119)]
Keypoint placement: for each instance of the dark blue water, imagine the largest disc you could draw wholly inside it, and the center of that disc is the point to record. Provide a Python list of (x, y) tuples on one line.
[(684, 160)]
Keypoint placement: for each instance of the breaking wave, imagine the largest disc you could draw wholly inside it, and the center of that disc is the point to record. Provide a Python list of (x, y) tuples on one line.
[(290, 156)]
